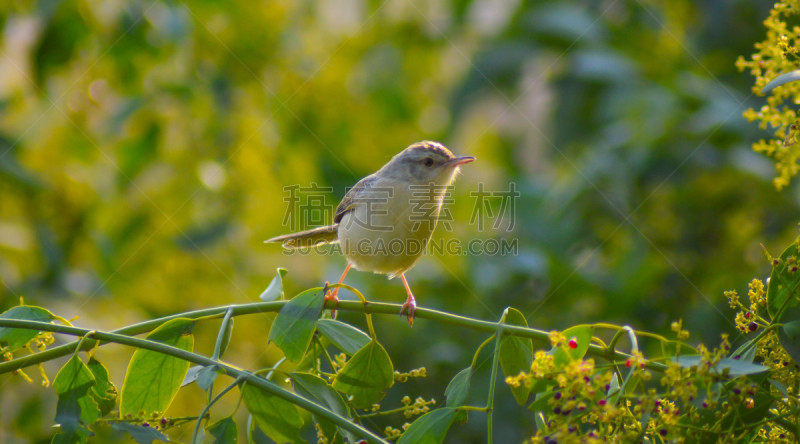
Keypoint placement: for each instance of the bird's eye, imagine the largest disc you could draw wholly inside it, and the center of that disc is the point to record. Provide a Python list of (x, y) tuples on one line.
[(428, 161)]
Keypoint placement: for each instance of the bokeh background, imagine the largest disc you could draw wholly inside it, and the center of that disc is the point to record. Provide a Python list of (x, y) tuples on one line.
[(145, 147)]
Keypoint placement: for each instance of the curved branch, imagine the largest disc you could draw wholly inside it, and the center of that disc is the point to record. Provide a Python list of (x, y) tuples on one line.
[(195, 358), (357, 306)]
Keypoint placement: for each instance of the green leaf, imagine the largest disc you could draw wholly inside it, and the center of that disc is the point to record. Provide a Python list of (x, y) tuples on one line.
[(224, 431), (516, 354), (614, 386), (344, 336), (16, 338), (256, 436), (104, 391), (225, 339), (192, 374), (789, 336), (780, 386), (309, 360), (277, 418), (141, 434), (294, 326), (458, 388), (540, 402), (582, 334), (736, 367), (746, 352), (783, 284), (366, 376), (153, 379), (206, 377), (314, 388), (429, 428), (274, 290), (76, 409), (788, 77)]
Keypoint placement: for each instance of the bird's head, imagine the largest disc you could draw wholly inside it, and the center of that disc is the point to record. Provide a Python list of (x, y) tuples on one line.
[(423, 163)]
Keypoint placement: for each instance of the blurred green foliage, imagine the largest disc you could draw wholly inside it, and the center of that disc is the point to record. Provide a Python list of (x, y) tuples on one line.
[(144, 147)]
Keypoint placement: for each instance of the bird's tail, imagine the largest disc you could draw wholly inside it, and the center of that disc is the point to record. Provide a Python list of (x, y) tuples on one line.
[(308, 238)]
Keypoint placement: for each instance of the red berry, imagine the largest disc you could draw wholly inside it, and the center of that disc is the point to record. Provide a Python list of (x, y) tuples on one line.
[(628, 363), (752, 326), (573, 343)]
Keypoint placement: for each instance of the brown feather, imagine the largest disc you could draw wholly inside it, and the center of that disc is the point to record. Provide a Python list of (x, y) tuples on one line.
[(308, 238)]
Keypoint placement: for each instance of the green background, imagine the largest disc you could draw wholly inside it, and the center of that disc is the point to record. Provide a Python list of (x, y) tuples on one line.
[(145, 146)]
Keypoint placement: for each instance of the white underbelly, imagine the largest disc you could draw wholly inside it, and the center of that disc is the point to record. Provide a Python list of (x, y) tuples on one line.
[(387, 242)]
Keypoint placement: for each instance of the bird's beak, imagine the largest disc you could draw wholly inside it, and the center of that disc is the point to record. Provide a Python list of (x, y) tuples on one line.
[(456, 161)]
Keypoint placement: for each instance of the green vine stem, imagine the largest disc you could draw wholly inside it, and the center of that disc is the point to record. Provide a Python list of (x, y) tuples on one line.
[(208, 406), (500, 328), (274, 306), (363, 301), (478, 351), (230, 370)]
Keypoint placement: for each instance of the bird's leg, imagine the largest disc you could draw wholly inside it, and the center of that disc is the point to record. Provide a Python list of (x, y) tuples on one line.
[(331, 294), (410, 306)]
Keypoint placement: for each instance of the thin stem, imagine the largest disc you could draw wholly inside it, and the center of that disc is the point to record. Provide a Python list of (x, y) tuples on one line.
[(493, 380), (611, 345), (383, 412), (478, 351), (275, 368), (80, 341), (268, 386), (473, 408), (754, 342), (404, 408), (217, 352), (208, 407), (137, 421), (363, 301)]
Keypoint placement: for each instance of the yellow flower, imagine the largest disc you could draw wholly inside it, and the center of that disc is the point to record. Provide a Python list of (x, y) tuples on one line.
[(777, 54), (557, 339)]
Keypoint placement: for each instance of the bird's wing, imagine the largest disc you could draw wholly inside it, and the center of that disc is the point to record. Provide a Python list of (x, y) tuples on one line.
[(349, 200)]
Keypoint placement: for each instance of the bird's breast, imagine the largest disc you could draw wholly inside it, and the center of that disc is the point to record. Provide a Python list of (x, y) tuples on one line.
[(388, 228)]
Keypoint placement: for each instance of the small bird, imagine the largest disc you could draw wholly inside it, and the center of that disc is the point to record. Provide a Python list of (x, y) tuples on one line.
[(383, 224)]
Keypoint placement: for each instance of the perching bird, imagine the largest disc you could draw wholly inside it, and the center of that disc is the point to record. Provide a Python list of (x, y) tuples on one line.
[(383, 224)]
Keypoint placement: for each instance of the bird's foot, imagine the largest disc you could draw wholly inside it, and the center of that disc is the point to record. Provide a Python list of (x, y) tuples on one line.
[(410, 306), (330, 295), (410, 309)]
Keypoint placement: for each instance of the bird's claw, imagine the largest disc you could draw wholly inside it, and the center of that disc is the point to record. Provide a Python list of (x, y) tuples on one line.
[(410, 309), (330, 295)]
